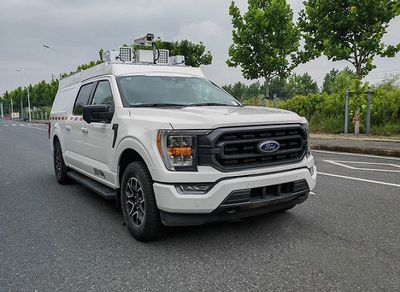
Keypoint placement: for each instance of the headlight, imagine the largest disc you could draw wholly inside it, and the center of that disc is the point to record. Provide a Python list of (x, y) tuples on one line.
[(178, 149), (307, 130)]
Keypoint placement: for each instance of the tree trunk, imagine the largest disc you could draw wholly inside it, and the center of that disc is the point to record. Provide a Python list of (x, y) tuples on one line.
[(266, 88)]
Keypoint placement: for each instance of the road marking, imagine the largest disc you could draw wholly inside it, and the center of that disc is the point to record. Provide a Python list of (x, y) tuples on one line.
[(365, 162), (29, 126), (359, 179), (341, 163), (37, 128), (356, 154)]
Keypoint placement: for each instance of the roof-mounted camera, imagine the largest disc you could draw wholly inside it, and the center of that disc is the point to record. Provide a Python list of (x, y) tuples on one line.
[(146, 40)]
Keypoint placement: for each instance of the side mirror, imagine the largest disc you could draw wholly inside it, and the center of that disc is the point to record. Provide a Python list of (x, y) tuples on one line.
[(97, 114)]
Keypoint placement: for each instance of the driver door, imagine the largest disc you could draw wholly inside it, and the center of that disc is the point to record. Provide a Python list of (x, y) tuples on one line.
[(99, 136)]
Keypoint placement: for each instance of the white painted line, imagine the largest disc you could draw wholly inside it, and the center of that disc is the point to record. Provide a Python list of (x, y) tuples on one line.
[(359, 179), (365, 162), (355, 154), (363, 168), (339, 164), (37, 128)]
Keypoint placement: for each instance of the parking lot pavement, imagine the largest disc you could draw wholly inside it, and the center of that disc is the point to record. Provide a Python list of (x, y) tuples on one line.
[(346, 237), (380, 170)]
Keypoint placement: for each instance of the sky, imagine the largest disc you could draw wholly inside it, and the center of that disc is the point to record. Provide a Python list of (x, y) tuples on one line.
[(77, 29)]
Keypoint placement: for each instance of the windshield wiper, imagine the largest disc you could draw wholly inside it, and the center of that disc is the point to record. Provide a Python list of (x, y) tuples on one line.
[(159, 105)]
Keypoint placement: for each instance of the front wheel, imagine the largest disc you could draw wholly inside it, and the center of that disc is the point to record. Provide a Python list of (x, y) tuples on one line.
[(138, 203)]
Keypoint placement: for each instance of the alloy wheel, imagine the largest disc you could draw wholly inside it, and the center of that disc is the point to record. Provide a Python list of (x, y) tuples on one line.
[(135, 201)]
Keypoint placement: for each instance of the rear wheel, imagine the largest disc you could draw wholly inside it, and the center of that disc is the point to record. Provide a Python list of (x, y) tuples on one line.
[(138, 203), (60, 169)]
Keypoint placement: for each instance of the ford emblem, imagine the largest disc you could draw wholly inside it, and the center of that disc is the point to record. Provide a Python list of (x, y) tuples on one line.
[(268, 146)]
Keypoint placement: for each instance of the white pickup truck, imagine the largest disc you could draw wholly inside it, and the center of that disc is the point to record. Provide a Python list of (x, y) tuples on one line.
[(172, 148)]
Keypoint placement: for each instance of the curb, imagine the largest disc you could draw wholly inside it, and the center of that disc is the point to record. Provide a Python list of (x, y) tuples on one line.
[(348, 138), (43, 122), (360, 150)]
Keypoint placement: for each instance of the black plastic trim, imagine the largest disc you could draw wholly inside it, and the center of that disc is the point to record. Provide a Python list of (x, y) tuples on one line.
[(222, 214)]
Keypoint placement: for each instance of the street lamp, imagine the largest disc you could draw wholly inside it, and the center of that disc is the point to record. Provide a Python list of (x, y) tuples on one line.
[(29, 99), (50, 48), (55, 51)]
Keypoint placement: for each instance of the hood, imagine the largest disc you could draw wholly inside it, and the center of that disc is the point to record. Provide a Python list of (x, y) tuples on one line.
[(211, 117)]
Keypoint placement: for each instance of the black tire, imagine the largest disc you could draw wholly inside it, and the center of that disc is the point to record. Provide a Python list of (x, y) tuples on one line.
[(138, 203), (60, 169)]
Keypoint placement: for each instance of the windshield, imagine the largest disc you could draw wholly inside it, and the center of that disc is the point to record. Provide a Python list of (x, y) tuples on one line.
[(158, 91)]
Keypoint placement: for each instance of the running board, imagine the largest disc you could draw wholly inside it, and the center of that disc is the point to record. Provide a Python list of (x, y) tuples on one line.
[(104, 191)]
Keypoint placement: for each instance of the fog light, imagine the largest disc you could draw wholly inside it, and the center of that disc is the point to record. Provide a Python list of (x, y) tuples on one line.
[(194, 188), (311, 170)]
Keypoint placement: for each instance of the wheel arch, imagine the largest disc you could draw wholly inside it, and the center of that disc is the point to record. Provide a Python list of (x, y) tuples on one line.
[(128, 150), (56, 136), (128, 156)]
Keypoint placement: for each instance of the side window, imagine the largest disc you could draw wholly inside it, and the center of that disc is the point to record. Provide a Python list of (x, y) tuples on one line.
[(103, 94), (82, 98)]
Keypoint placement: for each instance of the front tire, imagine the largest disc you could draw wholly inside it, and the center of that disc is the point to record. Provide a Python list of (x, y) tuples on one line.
[(60, 169), (138, 203)]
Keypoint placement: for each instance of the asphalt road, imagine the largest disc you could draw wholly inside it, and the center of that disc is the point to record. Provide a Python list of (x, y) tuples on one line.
[(53, 237)]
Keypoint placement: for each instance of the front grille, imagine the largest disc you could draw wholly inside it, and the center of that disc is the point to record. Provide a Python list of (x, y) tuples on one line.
[(238, 148)]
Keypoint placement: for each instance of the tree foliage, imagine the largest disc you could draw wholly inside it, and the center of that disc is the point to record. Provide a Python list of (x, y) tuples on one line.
[(301, 85), (284, 88), (350, 30), (41, 95), (336, 81), (264, 38), (195, 54)]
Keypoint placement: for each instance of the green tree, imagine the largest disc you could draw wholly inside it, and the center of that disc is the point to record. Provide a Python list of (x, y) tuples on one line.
[(195, 54), (237, 90), (350, 30), (264, 39), (337, 81), (278, 86), (301, 85), (329, 79)]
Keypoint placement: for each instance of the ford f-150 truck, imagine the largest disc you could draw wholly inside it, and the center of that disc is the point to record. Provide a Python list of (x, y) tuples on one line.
[(172, 148)]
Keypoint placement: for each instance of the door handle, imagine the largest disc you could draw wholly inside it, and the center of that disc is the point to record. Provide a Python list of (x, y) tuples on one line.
[(68, 128), (84, 129)]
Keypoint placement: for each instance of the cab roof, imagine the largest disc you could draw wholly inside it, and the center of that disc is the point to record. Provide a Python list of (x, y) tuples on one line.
[(126, 69)]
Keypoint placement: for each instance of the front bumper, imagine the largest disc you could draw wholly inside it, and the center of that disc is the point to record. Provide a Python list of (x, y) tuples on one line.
[(223, 214), (171, 201)]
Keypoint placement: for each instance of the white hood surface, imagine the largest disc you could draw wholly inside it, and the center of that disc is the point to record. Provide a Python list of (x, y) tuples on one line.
[(211, 117)]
